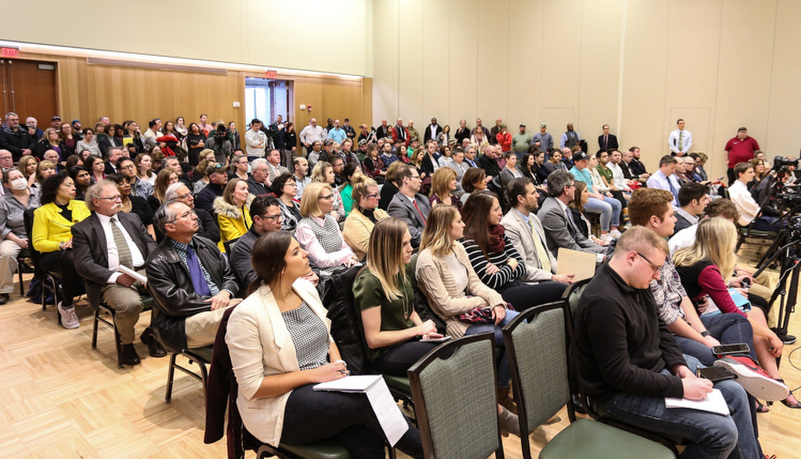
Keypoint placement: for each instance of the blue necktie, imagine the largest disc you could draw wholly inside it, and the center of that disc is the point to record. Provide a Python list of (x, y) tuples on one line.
[(673, 190), (198, 279)]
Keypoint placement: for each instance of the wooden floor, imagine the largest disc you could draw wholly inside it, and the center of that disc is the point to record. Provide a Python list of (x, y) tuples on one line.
[(60, 398)]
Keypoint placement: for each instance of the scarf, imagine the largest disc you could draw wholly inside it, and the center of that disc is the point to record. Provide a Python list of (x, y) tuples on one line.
[(496, 242)]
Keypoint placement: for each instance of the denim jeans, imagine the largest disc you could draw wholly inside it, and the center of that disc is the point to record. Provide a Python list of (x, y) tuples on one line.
[(504, 374), (726, 328), (609, 209), (708, 435)]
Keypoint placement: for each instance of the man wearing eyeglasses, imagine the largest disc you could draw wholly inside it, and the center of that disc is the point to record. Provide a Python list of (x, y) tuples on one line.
[(408, 204), (104, 243), (190, 280)]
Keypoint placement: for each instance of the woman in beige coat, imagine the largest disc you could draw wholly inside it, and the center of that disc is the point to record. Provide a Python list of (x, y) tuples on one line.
[(363, 216)]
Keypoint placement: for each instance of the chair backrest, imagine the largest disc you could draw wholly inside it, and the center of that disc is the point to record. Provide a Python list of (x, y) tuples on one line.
[(573, 294), (461, 422), (229, 246), (27, 220), (536, 344)]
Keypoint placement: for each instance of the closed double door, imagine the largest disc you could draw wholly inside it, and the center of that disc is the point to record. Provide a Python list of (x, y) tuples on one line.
[(29, 89)]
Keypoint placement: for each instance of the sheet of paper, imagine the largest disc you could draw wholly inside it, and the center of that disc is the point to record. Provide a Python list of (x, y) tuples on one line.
[(356, 383), (140, 278), (714, 403), (387, 412), (581, 264)]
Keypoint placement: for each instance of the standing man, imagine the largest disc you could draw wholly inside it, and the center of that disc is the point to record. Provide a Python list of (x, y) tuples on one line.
[(463, 132), (310, 134), (400, 133), (432, 131), (103, 242), (413, 134), (543, 140), (255, 140), (629, 360), (277, 130), (740, 149), (480, 127), (680, 140), (33, 122), (664, 179), (383, 131), (495, 131), (570, 138), (14, 138), (301, 176), (337, 134), (408, 204), (607, 141), (521, 141)]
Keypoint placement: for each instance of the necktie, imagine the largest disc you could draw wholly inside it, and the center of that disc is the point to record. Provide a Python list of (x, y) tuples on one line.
[(198, 279), (673, 190), (681, 140), (606, 142), (123, 252), (542, 254), (418, 211), (573, 229)]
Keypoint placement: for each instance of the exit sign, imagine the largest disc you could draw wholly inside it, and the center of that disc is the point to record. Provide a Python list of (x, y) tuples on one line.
[(271, 73), (9, 52)]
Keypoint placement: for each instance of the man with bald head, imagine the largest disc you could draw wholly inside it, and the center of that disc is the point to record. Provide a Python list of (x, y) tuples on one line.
[(400, 133), (311, 133)]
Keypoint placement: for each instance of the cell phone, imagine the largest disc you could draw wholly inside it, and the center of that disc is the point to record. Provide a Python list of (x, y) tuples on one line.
[(746, 283), (715, 374), (436, 340), (728, 349)]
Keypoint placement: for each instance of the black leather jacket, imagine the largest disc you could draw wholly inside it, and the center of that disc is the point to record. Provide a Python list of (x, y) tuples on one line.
[(174, 297)]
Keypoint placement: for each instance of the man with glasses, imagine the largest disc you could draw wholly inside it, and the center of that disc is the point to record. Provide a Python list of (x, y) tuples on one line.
[(259, 180), (6, 163), (408, 204), (104, 243), (629, 360), (15, 138), (190, 281), (206, 220), (557, 220)]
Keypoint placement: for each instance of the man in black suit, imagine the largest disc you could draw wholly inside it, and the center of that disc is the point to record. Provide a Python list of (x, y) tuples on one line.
[(103, 242), (114, 155), (432, 131), (408, 204), (607, 141)]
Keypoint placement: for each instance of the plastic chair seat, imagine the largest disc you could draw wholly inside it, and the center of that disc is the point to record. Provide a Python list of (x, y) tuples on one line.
[(324, 449), (585, 438)]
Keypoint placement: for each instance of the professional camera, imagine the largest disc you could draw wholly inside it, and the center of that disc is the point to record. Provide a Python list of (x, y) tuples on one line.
[(780, 162)]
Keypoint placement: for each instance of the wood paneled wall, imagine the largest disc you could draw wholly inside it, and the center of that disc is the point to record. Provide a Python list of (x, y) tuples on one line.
[(87, 92)]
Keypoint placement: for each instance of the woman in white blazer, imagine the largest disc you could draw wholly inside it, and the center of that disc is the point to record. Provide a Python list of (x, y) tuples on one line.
[(280, 346)]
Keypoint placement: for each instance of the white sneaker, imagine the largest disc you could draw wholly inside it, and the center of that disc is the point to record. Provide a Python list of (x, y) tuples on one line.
[(606, 237), (69, 319), (615, 233)]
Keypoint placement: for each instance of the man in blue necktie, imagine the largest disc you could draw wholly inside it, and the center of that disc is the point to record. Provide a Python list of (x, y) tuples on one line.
[(189, 279)]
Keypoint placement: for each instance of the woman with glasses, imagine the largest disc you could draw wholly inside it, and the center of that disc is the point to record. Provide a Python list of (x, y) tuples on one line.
[(323, 172), (233, 211), (134, 204), (88, 143), (240, 168), (364, 215), (318, 232), (285, 188), (52, 237)]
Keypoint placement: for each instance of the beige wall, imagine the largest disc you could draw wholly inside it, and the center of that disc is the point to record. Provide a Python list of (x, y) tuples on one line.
[(637, 65), (319, 35)]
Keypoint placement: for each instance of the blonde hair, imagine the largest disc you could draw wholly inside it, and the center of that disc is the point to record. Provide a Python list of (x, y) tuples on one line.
[(361, 188), (309, 206), (318, 173), (437, 234), (440, 180), (23, 165), (43, 165), (385, 256), (715, 240)]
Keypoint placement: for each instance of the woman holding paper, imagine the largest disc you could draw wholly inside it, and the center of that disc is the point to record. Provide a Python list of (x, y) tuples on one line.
[(703, 268), (280, 346), (396, 336)]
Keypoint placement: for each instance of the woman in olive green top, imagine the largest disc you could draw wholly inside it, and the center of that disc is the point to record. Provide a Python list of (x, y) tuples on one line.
[(384, 292)]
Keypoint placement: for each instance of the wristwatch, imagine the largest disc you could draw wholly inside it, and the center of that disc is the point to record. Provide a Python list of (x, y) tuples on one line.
[(705, 333)]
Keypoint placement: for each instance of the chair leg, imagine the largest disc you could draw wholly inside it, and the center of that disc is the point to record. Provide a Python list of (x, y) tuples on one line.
[(117, 342), (94, 328), (21, 282), (170, 377)]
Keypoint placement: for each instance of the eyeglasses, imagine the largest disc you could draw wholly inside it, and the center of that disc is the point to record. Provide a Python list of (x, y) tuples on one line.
[(184, 196), (654, 268), (371, 196), (112, 198), (187, 214), (128, 166), (329, 197), (271, 217)]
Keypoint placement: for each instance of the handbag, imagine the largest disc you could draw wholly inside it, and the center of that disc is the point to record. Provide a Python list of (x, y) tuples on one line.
[(480, 315)]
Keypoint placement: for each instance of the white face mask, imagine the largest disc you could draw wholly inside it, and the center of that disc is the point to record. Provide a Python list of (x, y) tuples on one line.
[(19, 184)]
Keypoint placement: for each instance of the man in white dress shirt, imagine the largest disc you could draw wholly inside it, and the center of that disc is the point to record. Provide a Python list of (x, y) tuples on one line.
[(680, 140)]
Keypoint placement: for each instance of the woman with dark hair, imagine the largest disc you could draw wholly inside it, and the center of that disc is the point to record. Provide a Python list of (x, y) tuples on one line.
[(88, 143), (495, 259), (132, 136), (112, 139), (290, 145), (96, 167), (134, 204), (69, 140), (52, 237), (576, 207), (83, 180), (346, 189), (280, 345), (51, 140), (285, 188), (195, 142), (180, 128), (164, 179), (72, 161), (473, 181), (374, 166)]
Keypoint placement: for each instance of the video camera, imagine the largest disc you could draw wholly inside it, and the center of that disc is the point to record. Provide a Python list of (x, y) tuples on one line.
[(782, 162)]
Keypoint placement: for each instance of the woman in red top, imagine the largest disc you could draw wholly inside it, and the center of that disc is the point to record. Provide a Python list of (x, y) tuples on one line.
[(504, 139)]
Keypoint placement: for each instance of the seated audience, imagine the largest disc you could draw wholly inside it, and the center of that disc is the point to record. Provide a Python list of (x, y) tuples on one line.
[(373, 165), (133, 204), (239, 167), (301, 175), (494, 258), (83, 180), (665, 179), (318, 232), (15, 201), (139, 187), (510, 170), (364, 216), (350, 171), (474, 181), (88, 143), (608, 207), (384, 293), (390, 187), (524, 230), (144, 168), (693, 198), (628, 360), (280, 345), (324, 173), (190, 281), (218, 179), (457, 296), (576, 207), (164, 179), (633, 168), (97, 168), (408, 204), (750, 210), (603, 178), (103, 242), (266, 214), (206, 220), (560, 228), (52, 238), (700, 160), (443, 188), (259, 181), (233, 211), (460, 166), (28, 166), (284, 187)]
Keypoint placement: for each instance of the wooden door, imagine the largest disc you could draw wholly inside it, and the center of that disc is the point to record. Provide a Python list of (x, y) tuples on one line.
[(29, 89)]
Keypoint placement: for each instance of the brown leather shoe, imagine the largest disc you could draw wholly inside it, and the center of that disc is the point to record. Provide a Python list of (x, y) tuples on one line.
[(128, 355), (154, 348)]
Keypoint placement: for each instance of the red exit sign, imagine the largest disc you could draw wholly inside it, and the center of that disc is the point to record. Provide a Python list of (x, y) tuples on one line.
[(271, 73), (9, 52)]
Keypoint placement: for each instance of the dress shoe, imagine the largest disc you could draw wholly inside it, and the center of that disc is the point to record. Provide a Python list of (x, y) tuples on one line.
[(4, 298), (128, 355), (154, 348)]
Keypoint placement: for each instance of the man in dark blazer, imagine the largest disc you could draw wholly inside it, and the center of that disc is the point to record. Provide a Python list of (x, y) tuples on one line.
[(102, 243), (560, 229), (409, 205), (607, 141), (432, 130)]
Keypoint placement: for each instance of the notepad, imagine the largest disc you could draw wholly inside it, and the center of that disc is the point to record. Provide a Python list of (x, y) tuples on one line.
[(126, 270), (713, 403), (580, 264)]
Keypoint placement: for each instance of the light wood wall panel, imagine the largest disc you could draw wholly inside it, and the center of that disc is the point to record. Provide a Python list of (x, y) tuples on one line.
[(637, 65)]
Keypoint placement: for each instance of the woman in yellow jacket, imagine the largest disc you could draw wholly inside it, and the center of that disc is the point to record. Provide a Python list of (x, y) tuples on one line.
[(233, 211), (52, 236), (364, 215)]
